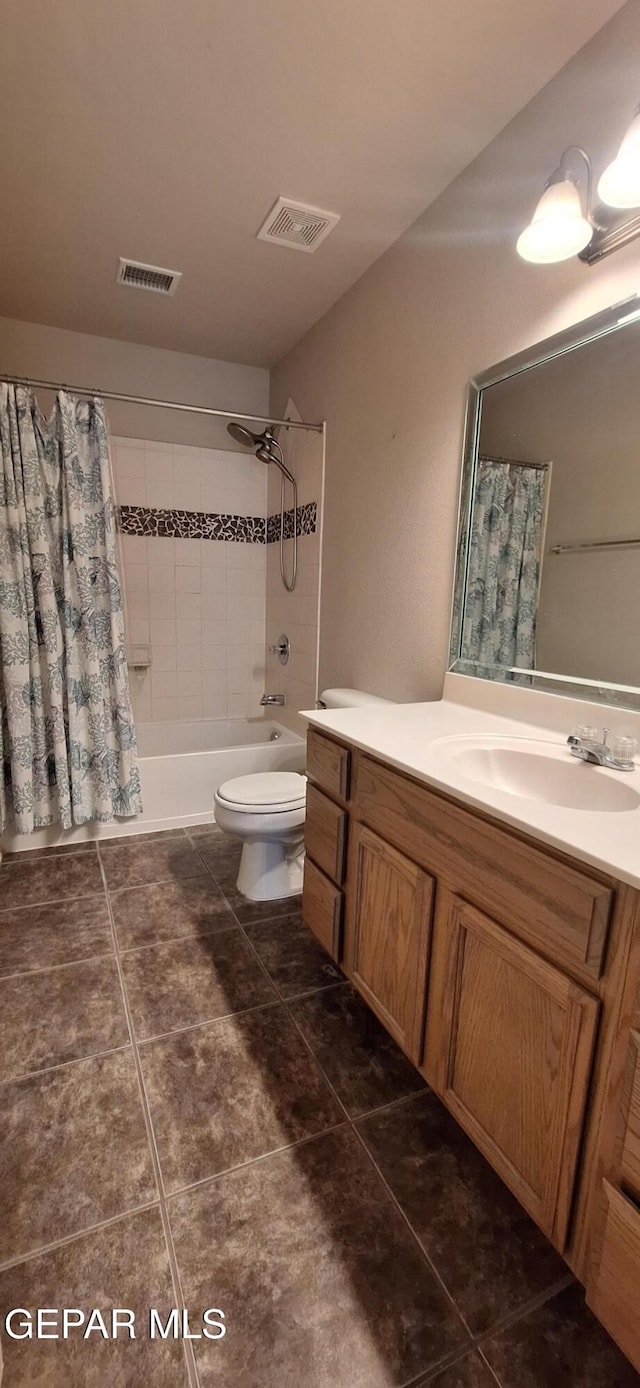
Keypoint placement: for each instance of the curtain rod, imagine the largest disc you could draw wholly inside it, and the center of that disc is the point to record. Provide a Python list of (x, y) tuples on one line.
[(160, 404), (585, 545)]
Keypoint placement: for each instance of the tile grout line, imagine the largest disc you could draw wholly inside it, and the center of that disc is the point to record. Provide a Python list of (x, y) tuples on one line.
[(187, 1347), (488, 1366), (415, 1236), (157, 944), (425, 1377), (208, 1022), (50, 901), (285, 1005), (77, 1234), (525, 1309), (254, 1161), (64, 1064), (50, 968)]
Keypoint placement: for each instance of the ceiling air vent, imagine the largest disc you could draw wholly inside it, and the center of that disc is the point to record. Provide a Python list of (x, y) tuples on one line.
[(151, 277), (296, 225)]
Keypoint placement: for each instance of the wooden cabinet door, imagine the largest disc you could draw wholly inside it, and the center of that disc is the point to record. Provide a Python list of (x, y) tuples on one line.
[(509, 1048), (387, 932)]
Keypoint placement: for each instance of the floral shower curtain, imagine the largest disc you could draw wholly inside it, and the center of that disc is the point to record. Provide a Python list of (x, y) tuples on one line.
[(504, 565), (67, 738)]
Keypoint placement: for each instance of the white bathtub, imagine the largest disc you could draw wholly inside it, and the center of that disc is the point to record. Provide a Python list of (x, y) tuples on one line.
[(182, 764), (181, 767)]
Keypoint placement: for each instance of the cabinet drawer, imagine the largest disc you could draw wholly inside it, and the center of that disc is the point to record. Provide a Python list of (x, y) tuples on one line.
[(325, 833), (322, 909), (328, 764), (613, 1291), (563, 912), (630, 1168)]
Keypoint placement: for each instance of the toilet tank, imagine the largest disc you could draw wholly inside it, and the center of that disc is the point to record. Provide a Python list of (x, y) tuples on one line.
[(349, 698)]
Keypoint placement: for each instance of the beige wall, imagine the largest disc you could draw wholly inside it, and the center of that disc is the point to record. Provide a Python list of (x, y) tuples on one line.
[(31, 349), (388, 366)]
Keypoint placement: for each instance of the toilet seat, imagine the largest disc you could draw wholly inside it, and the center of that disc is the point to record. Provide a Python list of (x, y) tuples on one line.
[(264, 792)]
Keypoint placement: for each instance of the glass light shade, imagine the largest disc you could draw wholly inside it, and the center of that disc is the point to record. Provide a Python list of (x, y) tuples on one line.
[(620, 182), (558, 228)]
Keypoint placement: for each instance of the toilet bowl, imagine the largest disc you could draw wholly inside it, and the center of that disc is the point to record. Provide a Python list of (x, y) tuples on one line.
[(266, 811)]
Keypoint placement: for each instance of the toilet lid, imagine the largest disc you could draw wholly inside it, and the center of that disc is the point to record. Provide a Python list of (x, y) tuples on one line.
[(281, 789)]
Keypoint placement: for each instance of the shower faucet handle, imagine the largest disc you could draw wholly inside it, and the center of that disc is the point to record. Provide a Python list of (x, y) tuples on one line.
[(281, 648)]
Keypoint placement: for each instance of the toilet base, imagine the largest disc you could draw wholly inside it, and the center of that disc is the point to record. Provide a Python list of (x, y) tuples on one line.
[(271, 869)]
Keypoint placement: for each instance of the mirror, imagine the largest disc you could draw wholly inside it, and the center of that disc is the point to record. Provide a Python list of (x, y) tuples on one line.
[(548, 560)]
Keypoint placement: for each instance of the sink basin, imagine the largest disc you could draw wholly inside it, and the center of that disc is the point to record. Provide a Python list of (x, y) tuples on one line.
[(532, 769)]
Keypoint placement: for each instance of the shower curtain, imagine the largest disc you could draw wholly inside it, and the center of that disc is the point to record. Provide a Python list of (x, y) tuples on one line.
[(504, 565), (67, 738)]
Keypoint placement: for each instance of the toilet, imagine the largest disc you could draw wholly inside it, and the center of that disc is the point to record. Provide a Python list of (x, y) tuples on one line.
[(266, 810)]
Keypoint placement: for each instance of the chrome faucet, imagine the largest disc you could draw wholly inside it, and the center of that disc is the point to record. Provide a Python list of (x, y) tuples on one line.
[(588, 746), (280, 699)]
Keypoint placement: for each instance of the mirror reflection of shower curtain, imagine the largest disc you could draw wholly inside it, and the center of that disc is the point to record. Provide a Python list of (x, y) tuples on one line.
[(503, 577), (67, 738)]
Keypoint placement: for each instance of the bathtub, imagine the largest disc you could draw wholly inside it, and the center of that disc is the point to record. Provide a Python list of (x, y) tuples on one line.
[(181, 767)]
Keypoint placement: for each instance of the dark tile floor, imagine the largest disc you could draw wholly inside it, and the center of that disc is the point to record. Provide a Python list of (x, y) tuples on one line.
[(196, 1109)]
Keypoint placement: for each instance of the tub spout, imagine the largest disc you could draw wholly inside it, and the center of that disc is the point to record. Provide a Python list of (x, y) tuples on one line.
[(279, 699)]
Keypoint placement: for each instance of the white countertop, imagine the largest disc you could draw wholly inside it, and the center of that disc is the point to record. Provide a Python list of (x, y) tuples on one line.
[(407, 736)]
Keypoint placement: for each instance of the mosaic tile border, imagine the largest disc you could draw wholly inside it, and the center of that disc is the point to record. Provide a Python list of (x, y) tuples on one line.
[(209, 525), (307, 520), (192, 525)]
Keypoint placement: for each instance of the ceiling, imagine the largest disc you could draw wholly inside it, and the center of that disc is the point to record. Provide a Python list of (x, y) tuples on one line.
[(164, 131)]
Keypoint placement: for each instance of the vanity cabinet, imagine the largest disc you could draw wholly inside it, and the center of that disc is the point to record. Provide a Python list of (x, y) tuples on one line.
[(480, 953), (509, 973)]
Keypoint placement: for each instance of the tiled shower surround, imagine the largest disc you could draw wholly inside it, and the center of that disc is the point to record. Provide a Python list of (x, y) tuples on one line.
[(196, 533), (194, 1103)]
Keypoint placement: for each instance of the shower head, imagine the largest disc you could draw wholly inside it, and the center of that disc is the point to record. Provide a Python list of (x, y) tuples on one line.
[(266, 445), (242, 435), (265, 452), (268, 450)]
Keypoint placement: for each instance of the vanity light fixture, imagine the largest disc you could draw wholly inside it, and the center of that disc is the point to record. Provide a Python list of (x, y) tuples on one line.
[(620, 182), (565, 223), (560, 225)]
